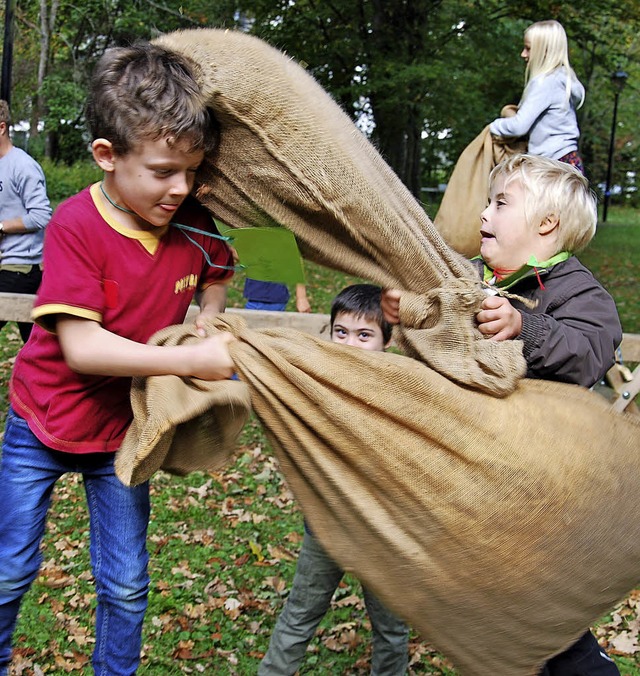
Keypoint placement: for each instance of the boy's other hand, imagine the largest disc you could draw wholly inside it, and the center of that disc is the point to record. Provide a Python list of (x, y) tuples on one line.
[(390, 304), (302, 301), (498, 319), (209, 359), (303, 305), (202, 321)]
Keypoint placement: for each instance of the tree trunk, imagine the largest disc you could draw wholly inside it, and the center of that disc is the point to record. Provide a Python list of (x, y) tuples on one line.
[(47, 24), (399, 137), (396, 45)]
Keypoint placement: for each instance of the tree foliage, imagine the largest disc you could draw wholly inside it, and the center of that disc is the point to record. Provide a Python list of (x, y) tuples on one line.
[(59, 41), (423, 77), (428, 75)]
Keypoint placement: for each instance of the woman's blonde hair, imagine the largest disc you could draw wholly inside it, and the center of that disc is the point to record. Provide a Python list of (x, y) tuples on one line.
[(556, 189), (548, 51)]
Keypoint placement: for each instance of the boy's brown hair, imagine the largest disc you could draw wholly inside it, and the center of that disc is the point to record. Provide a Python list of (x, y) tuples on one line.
[(148, 92)]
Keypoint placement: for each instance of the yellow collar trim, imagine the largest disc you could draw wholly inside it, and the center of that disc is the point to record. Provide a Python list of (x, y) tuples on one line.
[(150, 239)]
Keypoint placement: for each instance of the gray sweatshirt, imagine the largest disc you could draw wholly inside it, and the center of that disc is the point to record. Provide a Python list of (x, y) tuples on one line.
[(546, 116), (23, 192)]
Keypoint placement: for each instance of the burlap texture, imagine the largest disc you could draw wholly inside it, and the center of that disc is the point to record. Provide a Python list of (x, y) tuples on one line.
[(178, 421), (458, 217), (498, 528), (288, 154)]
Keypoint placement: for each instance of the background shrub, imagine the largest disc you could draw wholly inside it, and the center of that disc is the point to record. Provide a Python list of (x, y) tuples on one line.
[(64, 180)]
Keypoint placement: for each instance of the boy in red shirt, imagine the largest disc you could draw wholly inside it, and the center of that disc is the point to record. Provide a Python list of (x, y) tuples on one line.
[(117, 268)]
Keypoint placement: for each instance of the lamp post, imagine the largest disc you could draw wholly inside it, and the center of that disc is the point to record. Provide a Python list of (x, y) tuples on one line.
[(619, 79), (7, 50)]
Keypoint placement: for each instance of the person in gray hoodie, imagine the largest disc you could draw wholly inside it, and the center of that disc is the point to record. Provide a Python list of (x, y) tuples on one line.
[(24, 213), (552, 94)]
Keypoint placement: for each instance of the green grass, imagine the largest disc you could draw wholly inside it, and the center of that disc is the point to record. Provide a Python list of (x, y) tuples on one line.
[(614, 257), (223, 545)]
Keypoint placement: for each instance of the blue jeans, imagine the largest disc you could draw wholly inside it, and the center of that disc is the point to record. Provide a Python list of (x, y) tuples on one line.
[(261, 305), (119, 516), (316, 579)]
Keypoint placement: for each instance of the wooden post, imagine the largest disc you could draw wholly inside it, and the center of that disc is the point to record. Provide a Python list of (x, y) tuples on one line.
[(17, 307), (624, 382)]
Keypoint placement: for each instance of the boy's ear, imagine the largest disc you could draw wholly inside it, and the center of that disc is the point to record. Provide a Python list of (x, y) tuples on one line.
[(549, 224), (103, 154)]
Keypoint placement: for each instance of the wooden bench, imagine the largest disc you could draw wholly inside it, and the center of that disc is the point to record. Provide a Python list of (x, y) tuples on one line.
[(622, 380), (17, 307), (624, 377)]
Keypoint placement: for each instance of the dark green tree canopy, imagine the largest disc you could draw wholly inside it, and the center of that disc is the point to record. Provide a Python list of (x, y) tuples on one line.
[(422, 77)]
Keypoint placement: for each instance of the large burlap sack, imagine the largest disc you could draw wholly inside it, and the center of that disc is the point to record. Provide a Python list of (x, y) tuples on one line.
[(458, 217), (288, 154), (178, 421), (498, 528)]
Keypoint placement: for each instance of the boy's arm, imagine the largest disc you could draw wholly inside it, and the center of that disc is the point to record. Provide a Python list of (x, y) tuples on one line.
[(302, 302), (212, 301), (90, 349), (572, 342)]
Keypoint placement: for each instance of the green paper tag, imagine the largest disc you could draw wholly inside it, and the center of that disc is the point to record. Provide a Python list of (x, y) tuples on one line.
[(267, 254)]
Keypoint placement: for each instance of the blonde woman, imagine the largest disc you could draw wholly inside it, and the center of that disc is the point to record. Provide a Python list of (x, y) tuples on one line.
[(552, 93)]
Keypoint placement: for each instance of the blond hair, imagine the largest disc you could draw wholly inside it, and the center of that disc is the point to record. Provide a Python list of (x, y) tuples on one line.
[(556, 189), (549, 50)]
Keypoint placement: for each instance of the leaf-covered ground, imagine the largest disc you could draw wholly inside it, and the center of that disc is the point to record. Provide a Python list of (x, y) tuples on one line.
[(223, 550)]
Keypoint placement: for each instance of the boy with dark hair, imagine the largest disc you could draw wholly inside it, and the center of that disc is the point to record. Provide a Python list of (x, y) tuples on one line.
[(360, 302), (356, 320), (540, 213), (117, 269)]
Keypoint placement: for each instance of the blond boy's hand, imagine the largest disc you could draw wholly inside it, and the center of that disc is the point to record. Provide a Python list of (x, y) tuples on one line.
[(390, 304), (498, 319), (209, 359)]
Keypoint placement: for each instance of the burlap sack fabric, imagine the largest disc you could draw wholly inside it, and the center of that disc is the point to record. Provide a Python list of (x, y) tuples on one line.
[(288, 154), (176, 423), (458, 217), (498, 526)]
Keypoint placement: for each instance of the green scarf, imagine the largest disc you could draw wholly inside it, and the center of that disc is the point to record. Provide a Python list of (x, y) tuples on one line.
[(532, 267)]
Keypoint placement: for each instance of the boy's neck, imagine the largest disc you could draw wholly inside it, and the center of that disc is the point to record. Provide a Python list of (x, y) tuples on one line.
[(129, 218), (506, 278)]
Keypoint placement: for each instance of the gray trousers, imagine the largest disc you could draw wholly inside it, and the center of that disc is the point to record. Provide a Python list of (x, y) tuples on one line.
[(316, 579)]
